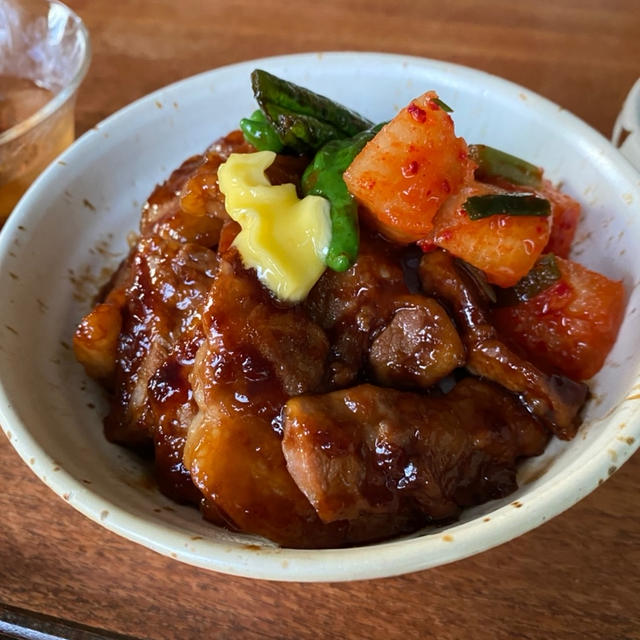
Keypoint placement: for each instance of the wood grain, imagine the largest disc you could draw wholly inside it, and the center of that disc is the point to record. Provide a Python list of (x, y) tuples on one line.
[(575, 577), (583, 54)]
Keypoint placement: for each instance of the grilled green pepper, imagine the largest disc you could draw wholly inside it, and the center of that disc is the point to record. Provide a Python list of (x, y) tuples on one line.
[(303, 120), (259, 132), (323, 177)]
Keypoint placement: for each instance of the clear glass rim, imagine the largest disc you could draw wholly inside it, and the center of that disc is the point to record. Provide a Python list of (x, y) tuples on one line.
[(58, 100)]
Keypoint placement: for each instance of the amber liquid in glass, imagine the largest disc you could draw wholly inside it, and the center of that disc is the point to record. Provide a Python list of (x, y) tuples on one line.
[(24, 157)]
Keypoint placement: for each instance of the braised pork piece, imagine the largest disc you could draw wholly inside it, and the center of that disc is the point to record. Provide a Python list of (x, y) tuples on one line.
[(319, 423), (368, 449)]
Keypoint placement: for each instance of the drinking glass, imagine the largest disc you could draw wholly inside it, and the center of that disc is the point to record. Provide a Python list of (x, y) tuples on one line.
[(44, 56)]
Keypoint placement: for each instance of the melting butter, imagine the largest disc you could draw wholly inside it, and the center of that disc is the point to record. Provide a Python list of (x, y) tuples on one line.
[(283, 238)]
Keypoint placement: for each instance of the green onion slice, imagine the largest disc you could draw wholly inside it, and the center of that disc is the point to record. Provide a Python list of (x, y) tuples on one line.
[(443, 105), (493, 163), (509, 204), (544, 273)]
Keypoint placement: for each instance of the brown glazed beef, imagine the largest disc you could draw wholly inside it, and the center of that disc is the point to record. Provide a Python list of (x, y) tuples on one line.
[(160, 334), (418, 347), (266, 414), (252, 351), (256, 355), (95, 340), (377, 329), (141, 340), (369, 450), (188, 207), (354, 305), (554, 399), (164, 220)]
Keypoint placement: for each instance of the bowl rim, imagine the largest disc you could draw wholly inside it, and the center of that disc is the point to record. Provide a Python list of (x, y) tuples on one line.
[(67, 92), (398, 556)]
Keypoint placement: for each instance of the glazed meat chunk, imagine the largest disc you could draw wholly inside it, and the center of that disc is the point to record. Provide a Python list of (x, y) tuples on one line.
[(257, 354), (554, 399), (141, 341), (160, 317), (170, 217), (377, 328), (189, 207), (354, 305), (419, 347), (152, 404), (95, 340), (369, 450)]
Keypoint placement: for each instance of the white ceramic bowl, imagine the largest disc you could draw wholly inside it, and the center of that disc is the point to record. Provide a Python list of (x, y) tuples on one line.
[(70, 230)]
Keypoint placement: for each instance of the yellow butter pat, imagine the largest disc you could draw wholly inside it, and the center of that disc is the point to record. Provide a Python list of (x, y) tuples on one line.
[(283, 238)]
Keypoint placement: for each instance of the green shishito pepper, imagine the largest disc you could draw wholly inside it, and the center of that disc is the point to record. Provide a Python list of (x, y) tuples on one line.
[(493, 163), (510, 204), (323, 177), (303, 120), (259, 132), (294, 119)]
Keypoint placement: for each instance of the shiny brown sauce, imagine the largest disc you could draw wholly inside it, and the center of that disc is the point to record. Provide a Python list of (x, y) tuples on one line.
[(317, 424)]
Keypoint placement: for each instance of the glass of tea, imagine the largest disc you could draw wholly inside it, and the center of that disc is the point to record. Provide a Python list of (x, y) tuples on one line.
[(44, 56)]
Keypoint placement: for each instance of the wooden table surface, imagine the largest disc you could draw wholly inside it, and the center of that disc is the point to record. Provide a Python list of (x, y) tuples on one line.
[(578, 576)]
